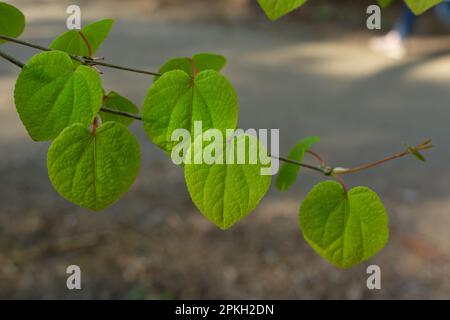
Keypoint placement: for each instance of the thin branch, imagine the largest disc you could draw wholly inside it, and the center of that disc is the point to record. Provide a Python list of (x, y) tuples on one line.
[(322, 169), (93, 62), (411, 150), (24, 43), (121, 113), (11, 59), (85, 60), (341, 181)]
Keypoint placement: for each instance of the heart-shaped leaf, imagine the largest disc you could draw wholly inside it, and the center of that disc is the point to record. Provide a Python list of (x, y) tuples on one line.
[(199, 62), (117, 102), (225, 193), (12, 21), (72, 41), (176, 100), (51, 94), (289, 172), (93, 169), (344, 228), (275, 9)]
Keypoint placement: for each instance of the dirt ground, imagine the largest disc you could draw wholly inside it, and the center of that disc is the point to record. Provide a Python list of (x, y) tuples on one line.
[(301, 76)]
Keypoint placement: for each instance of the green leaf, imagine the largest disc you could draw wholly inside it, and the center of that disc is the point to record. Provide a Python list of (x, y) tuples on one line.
[(384, 3), (275, 9), (289, 172), (208, 61), (344, 228), (117, 102), (416, 153), (201, 62), (420, 6), (73, 43), (225, 193), (93, 170), (50, 94), (176, 100), (12, 21)]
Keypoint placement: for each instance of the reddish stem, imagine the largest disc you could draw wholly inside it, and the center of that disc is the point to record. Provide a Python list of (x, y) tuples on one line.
[(315, 155), (193, 67), (342, 182), (423, 146), (94, 126), (86, 42)]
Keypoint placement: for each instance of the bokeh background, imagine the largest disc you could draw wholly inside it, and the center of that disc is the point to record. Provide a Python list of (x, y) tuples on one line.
[(310, 73)]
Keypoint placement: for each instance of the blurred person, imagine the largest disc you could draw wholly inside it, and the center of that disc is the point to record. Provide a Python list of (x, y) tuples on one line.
[(393, 43)]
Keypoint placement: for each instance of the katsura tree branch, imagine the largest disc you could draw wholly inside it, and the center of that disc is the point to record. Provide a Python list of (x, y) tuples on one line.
[(85, 60), (12, 59), (410, 150), (24, 43), (94, 62), (324, 169), (122, 113), (315, 155)]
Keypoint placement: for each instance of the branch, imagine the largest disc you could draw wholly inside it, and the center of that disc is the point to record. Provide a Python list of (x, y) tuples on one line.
[(11, 59), (410, 150), (122, 113), (84, 60), (322, 168), (94, 62)]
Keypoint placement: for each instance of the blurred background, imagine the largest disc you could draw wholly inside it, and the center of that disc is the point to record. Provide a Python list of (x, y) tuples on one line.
[(310, 73)]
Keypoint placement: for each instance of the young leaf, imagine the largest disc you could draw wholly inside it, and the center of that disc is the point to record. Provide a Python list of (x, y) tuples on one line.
[(275, 9), (289, 172), (225, 193), (420, 6), (201, 62), (344, 228), (176, 100), (12, 21), (73, 43), (93, 170), (416, 153), (50, 94), (117, 102)]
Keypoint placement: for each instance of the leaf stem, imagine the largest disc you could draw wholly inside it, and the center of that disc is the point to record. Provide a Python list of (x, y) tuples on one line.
[(86, 42), (316, 155), (341, 181)]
